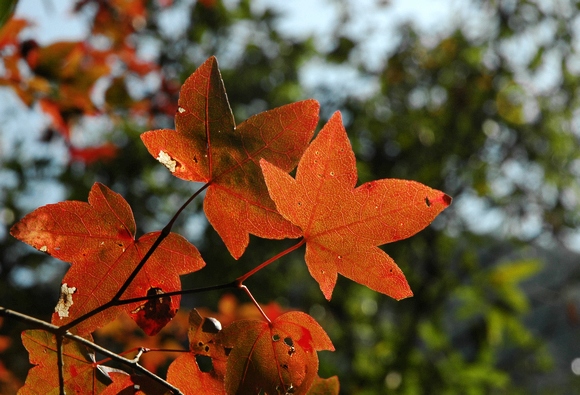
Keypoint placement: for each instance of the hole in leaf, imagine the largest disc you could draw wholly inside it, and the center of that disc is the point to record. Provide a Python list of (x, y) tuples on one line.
[(427, 202), (200, 344), (227, 351), (275, 337), (204, 362), (288, 341)]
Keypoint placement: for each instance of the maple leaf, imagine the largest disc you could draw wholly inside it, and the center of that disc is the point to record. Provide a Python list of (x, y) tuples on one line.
[(276, 357), (343, 225), (98, 239), (206, 146), (80, 375)]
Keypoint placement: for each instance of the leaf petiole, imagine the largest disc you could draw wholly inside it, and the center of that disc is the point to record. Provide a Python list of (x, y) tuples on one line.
[(240, 280), (247, 291)]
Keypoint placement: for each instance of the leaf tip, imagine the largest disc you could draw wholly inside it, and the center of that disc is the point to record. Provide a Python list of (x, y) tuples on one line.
[(407, 293)]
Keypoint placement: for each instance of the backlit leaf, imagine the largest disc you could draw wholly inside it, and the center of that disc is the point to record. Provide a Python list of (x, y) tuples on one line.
[(343, 225), (98, 239), (80, 373), (277, 357), (207, 146)]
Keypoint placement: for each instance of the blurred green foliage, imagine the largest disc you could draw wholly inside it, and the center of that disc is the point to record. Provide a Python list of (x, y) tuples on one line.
[(496, 299)]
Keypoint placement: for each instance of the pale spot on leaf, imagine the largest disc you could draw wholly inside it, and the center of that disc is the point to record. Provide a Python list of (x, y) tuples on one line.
[(181, 110), (44, 248), (166, 161), (65, 300)]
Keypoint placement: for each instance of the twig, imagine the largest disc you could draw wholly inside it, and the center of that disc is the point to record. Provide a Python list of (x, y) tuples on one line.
[(57, 331), (60, 364)]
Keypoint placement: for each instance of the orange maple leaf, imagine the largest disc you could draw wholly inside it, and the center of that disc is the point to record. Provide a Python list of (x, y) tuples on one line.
[(276, 357), (98, 239), (80, 373), (207, 146), (343, 225)]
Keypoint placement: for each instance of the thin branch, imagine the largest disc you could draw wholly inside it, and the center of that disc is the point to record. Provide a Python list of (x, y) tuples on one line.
[(140, 352), (57, 331), (60, 364), (232, 284)]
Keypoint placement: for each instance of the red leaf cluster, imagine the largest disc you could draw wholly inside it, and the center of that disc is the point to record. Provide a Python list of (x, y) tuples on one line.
[(245, 169)]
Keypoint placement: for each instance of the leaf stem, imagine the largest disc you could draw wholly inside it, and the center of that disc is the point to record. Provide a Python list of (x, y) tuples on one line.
[(247, 291), (240, 280)]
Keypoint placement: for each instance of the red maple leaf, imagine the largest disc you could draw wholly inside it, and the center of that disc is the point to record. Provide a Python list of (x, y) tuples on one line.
[(207, 146), (98, 239), (343, 225), (80, 373), (276, 357)]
